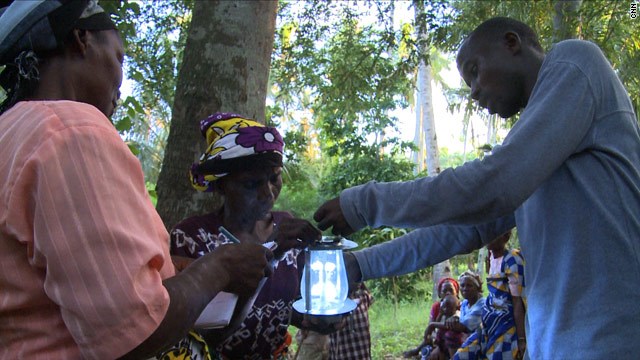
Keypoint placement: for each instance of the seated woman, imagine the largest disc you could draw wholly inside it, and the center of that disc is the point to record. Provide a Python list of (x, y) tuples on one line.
[(446, 286), (243, 163), (502, 334), (439, 342), (447, 341), (471, 307)]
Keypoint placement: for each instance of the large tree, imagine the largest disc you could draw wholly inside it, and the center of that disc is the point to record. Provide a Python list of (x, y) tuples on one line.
[(225, 68)]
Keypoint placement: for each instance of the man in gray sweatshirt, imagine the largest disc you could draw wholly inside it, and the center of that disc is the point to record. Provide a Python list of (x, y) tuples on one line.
[(567, 174)]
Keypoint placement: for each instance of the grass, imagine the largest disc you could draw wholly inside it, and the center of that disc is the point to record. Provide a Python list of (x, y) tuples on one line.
[(394, 330)]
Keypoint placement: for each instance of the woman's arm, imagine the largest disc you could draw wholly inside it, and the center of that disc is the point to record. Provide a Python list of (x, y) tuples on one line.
[(453, 323), (519, 313)]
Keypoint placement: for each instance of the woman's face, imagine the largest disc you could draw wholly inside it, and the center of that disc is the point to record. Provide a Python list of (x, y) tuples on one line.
[(104, 59), (447, 289), (253, 192), (468, 289)]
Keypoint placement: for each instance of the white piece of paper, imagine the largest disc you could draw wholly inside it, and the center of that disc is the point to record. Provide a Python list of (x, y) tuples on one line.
[(218, 313)]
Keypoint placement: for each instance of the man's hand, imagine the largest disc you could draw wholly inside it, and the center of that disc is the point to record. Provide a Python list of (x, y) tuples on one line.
[(329, 215), (242, 266), (181, 262), (294, 233)]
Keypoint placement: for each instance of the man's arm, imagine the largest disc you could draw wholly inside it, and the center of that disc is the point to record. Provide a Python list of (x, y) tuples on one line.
[(548, 132), (421, 248)]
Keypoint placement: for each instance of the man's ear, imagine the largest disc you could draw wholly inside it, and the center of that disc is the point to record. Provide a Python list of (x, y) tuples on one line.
[(79, 41), (513, 42)]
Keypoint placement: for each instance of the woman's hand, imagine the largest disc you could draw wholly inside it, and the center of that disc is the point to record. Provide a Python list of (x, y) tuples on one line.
[(522, 347), (452, 322)]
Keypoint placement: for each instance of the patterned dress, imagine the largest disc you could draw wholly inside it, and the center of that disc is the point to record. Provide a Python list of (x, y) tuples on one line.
[(263, 334), (496, 338), (353, 341)]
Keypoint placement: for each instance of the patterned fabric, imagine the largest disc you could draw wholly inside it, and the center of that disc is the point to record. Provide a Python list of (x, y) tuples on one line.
[(353, 342), (447, 339), (264, 331), (496, 339), (471, 316), (193, 347), (230, 136), (80, 273)]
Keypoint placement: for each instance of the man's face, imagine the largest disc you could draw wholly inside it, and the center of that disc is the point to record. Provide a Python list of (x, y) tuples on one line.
[(105, 57), (493, 74)]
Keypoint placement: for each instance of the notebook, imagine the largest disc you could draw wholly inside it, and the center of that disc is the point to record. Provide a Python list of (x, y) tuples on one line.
[(218, 313)]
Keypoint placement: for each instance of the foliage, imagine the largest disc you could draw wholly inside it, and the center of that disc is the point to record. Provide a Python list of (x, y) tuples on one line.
[(154, 40), (151, 190), (606, 23), (347, 73), (338, 69), (336, 78), (299, 194)]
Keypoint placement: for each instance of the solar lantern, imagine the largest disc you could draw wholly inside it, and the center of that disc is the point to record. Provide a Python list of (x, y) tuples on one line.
[(324, 286)]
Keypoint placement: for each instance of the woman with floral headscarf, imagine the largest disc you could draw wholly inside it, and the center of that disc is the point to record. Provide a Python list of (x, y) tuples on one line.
[(243, 164)]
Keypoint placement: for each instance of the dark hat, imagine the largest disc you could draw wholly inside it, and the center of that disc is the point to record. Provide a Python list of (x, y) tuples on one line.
[(42, 25)]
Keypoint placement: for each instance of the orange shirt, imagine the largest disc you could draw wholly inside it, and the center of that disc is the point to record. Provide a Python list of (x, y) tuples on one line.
[(82, 250)]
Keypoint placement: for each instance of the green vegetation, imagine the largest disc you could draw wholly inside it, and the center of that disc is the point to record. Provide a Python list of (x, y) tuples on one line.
[(396, 329)]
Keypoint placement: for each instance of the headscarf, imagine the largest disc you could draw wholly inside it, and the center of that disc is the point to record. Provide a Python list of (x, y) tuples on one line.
[(30, 28), (450, 280), (475, 278), (234, 143)]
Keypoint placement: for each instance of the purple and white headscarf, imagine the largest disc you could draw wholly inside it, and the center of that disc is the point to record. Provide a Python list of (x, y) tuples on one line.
[(234, 143)]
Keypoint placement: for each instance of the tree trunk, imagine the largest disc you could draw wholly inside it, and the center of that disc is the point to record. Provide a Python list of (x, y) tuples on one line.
[(440, 271), (225, 68), (428, 138), (425, 136)]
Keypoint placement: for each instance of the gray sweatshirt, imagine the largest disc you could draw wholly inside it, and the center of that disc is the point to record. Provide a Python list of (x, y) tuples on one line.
[(568, 174)]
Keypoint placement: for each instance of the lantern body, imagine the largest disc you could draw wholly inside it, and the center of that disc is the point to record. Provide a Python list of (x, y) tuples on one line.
[(324, 285), (328, 284)]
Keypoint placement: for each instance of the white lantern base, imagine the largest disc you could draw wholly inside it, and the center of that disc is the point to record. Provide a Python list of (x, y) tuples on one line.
[(348, 306)]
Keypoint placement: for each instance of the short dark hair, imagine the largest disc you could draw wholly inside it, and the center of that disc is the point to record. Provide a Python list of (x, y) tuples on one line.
[(497, 26)]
